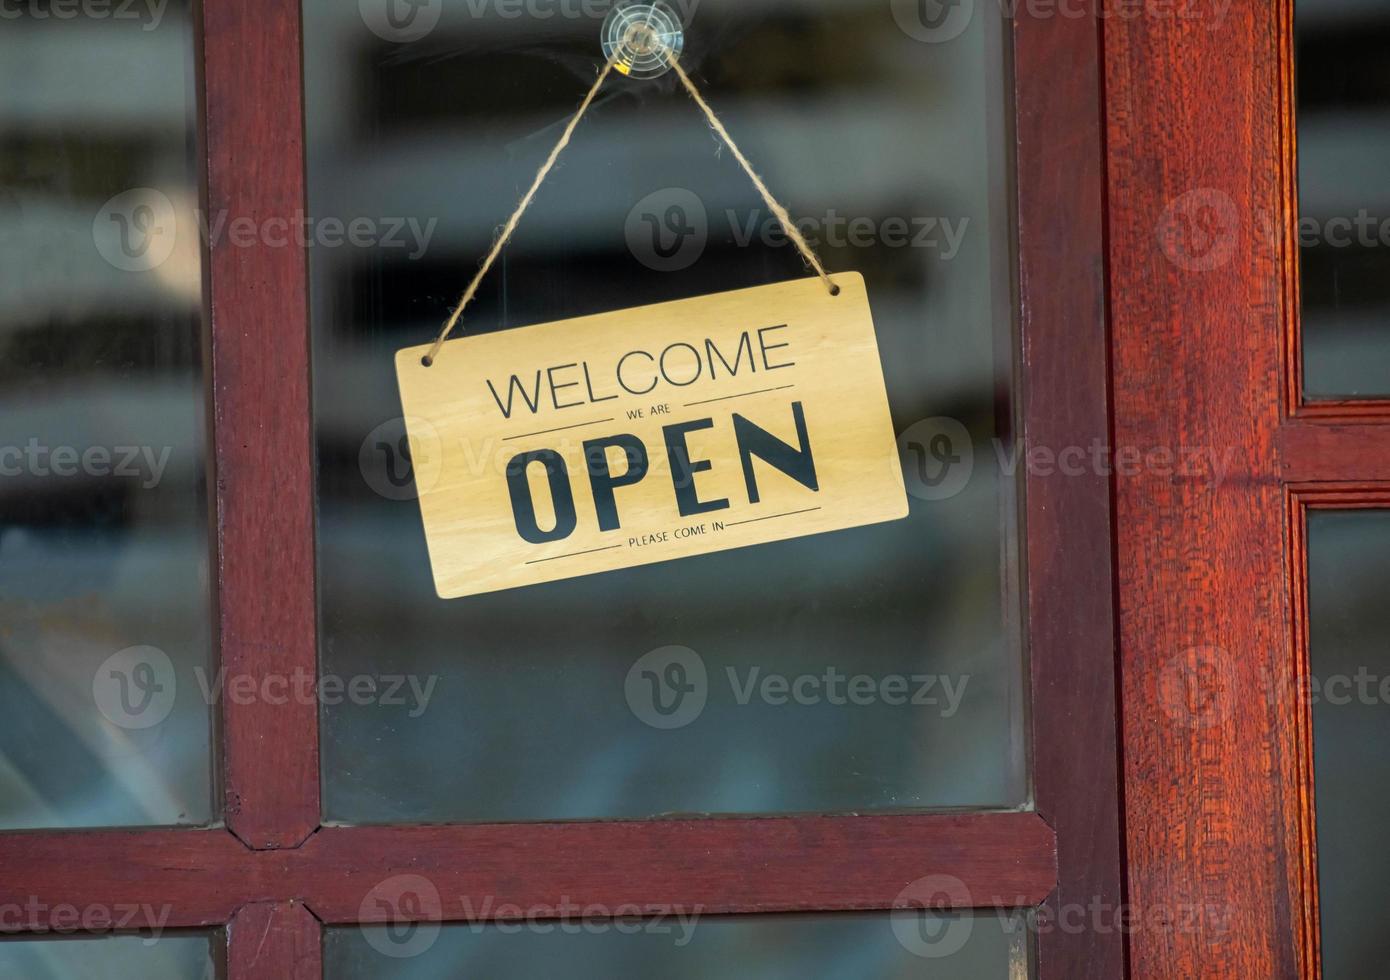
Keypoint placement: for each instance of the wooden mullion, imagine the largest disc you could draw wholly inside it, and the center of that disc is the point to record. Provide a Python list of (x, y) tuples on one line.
[(279, 940), (1328, 452), (718, 865), (189, 878), (1068, 534), (261, 420)]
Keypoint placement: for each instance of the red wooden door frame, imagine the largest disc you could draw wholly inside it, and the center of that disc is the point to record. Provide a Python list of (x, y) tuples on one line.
[(1213, 576), (275, 876)]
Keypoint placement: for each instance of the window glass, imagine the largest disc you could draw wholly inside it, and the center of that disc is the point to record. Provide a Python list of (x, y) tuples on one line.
[(1344, 229), (168, 957), (105, 638), (1349, 626), (983, 946), (875, 668)]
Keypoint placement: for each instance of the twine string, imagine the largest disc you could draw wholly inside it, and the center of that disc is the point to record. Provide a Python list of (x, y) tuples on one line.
[(783, 216), (503, 236)]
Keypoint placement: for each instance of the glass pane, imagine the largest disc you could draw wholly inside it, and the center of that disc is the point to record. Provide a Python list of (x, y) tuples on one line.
[(104, 595), (1348, 568), (795, 947), (169, 957), (1344, 228), (873, 668)]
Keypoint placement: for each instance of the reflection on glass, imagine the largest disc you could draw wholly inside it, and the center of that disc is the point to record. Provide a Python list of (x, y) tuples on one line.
[(897, 642), (169, 957), (1344, 200), (830, 946), (104, 610), (1348, 567)]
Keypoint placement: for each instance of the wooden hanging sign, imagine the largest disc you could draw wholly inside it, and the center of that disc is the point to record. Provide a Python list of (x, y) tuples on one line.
[(650, 434)]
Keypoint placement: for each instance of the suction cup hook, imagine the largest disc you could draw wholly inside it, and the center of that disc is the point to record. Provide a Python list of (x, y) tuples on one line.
[(642, 38)]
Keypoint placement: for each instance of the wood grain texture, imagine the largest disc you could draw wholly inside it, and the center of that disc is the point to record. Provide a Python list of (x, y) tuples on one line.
[(1070, 584), (1197, 298), (1334, 452), (274, 941), (261, 417), (193, 877), (784, 372), (720, 865)]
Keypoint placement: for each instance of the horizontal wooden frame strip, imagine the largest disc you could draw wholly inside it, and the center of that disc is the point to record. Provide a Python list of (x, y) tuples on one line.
[(189, 878), (1330, 453)]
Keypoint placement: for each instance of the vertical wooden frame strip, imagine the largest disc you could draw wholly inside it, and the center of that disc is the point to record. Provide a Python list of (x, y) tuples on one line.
[(1197, 314), (282, 940), (1066, 417), (261, 419)]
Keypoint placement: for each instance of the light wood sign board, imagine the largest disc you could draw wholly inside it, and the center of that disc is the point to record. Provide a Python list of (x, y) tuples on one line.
[(648, 434)]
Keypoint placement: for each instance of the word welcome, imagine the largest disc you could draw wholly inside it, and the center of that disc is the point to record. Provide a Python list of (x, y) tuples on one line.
[(679, 365)]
